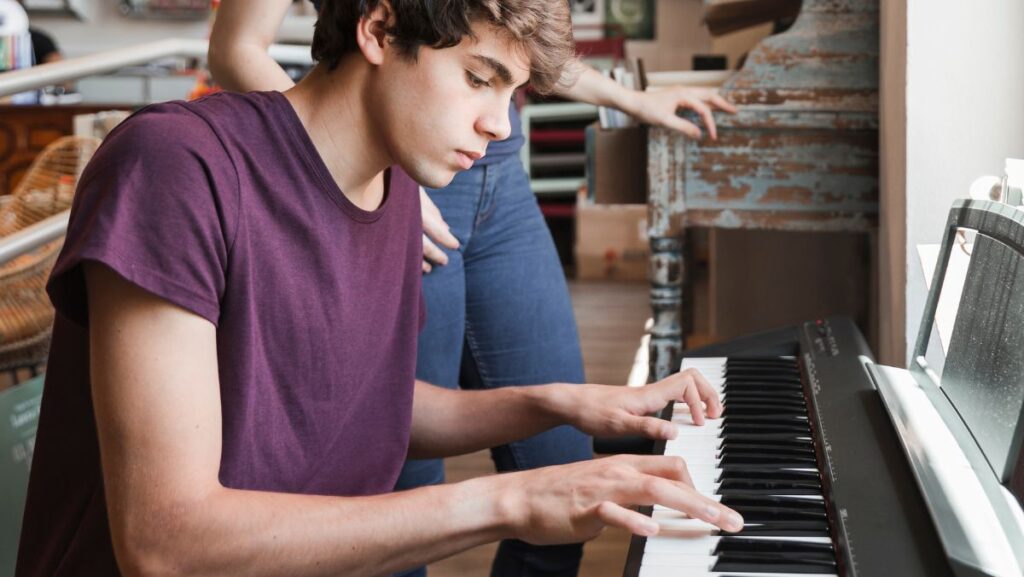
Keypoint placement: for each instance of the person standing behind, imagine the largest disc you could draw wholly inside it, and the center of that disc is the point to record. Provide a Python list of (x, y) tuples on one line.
[(499, 307)]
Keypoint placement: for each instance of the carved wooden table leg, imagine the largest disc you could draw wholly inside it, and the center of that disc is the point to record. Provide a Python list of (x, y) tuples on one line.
[(666, 276), (666, 157)]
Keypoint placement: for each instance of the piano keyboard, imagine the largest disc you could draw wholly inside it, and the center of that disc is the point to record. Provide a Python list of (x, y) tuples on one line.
[(758, 459)]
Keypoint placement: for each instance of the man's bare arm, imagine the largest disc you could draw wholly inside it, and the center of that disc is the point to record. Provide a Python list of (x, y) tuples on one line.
[(447, 422), (157, 404)]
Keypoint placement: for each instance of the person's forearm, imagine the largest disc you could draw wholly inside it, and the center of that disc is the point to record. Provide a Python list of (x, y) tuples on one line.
[(242, 32), (257, 533), (447, 423), (592, 87), (246, 67)]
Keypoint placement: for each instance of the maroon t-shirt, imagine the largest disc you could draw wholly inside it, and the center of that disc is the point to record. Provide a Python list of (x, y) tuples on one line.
[(224, 207)]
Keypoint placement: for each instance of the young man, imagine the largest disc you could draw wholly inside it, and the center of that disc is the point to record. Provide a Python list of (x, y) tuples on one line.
[(231, 382), (500, 312)]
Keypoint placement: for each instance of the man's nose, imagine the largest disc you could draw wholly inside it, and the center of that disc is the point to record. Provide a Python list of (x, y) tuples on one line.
[(494, 123)]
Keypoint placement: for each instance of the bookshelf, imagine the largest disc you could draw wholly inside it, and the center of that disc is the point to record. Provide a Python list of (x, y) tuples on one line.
[(554, 153)]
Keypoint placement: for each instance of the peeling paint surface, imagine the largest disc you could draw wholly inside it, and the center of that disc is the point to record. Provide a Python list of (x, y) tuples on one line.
[(801, 154)]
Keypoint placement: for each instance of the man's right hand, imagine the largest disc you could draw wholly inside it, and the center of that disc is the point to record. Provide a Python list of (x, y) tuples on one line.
[(572, 503)]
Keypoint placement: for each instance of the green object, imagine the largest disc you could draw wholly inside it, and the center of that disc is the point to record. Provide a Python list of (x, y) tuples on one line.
[(19, 411), (635, 18)]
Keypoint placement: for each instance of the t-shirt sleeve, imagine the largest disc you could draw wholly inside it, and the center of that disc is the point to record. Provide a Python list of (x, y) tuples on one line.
[(157, 204)]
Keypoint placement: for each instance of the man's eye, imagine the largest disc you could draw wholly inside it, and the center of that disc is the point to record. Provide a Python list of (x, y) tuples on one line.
[(475, 81)]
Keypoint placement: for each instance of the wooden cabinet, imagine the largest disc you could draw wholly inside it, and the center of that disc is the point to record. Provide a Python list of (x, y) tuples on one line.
[(26, 130)]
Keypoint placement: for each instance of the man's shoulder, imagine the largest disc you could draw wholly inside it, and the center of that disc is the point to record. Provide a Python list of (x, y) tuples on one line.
[(161, 144), (207, 128), (191, 121), (159, 129)]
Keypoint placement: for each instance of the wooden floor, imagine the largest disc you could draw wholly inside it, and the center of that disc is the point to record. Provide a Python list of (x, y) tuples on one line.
[(610, 317)]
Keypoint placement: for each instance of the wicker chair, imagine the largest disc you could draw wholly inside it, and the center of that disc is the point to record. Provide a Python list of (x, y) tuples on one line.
[(26, 316)]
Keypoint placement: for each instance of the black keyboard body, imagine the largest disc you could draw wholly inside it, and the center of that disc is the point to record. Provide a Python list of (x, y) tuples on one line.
[(878, 521)]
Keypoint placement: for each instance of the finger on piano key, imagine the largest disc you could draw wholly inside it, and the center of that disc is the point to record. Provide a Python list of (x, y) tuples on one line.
[(679, 532)]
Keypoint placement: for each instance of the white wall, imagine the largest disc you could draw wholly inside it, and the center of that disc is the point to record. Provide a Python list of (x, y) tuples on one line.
[(964, 114)]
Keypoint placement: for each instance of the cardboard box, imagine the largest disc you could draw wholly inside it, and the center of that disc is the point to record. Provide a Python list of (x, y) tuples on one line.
[(617, 165), (611, 241)]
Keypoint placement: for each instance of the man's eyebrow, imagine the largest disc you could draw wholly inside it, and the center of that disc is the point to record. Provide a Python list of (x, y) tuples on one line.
[(499, 68)]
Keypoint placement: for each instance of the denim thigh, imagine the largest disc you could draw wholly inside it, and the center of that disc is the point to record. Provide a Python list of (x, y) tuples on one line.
[(499, 314)]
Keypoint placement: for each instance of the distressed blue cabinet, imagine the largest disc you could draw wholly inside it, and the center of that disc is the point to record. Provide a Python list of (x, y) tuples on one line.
[(801, 154)]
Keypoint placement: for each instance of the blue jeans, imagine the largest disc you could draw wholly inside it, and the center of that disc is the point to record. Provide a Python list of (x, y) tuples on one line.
[(499, 314)]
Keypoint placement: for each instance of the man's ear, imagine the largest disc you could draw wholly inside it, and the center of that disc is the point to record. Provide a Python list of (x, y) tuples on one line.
[(371, 32)]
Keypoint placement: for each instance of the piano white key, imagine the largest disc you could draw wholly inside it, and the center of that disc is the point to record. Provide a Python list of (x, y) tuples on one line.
[(680, 561), (693, 444), (685, 545), (688, 544), (703, 361), (684, 423)]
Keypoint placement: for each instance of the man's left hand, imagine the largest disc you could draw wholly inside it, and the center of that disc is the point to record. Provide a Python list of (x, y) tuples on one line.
[(612, 411)]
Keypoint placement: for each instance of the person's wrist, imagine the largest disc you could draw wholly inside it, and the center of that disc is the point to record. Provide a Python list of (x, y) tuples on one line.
[(500, 504), (629, 102), (553, 402)]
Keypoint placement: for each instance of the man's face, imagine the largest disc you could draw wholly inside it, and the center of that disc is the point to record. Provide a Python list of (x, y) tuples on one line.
[(439, 112)]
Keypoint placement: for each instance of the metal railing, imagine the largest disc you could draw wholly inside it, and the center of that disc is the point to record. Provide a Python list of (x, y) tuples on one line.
[(44, 75)]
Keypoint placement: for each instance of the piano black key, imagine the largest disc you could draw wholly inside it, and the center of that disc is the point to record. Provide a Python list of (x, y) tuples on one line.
[(768, 365), (773, 565), (740, 468), (767, 481), (769, 486), (769, 501), (767, 387), (761, 376), (752, 409), (784, 529), (774, 363), (748, 393), (772, 439), (760, 392), (740, 548), (782, 460), (738, 364), (790, 475), (765, 401), (778, 381), (764, 376), (740, 359), (769, 419), (773, 514), (807, 449), (774, 546), (793, 427), (777, 490), (735, 481)]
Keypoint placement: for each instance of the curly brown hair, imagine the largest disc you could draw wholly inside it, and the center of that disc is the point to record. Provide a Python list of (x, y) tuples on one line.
[(540, 28)]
